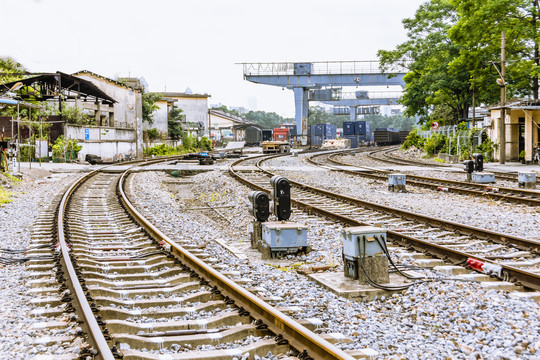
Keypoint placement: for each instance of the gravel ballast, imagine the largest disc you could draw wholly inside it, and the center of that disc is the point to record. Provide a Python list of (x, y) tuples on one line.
[(435, 320), (30, 197)]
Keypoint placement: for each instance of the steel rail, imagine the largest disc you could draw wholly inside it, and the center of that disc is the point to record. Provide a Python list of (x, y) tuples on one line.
[(525, 244), (394, 160), (89, 322), (94, 332), (525, 278), (297, 335), (452, 185)]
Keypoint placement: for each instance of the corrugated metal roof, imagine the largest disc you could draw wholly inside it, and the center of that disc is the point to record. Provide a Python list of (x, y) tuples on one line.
[(70, 82)]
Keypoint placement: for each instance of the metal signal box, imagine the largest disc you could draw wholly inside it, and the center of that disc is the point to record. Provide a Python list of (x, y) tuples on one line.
[(478, 162), (483, 178), (284, 236), (396, 182), (468, 166), (364, 254), (354, 245), (527, 180)]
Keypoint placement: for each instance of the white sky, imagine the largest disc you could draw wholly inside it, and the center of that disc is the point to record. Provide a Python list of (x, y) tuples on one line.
[(180, 44)]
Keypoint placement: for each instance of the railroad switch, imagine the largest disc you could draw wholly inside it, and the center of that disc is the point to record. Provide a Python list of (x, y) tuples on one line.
[(396, 182), (364, 254)]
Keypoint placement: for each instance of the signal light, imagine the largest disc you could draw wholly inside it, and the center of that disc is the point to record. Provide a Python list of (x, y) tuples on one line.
[(478, 162), (259, 205), (281, 196), (469, 166)]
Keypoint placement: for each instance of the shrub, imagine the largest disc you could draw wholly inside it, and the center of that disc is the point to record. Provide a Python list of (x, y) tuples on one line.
[(68, 149), (189, 142), (435, 144), (153, 134), (413, 139), (205, 144)]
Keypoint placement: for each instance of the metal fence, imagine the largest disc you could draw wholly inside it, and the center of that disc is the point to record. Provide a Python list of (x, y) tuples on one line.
[(456, 139)]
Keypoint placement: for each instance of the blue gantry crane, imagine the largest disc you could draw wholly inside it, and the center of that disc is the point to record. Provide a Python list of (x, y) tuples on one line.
[(354, 103), (301, 77)]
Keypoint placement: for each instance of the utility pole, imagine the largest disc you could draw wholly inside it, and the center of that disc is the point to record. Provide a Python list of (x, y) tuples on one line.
[(502, 125)]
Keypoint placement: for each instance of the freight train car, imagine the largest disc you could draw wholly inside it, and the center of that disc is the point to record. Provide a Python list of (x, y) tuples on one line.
[(386, 136), (253, 136), (403, 135)]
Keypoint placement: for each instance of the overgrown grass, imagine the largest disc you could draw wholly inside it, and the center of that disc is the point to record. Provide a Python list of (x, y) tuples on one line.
[(5, 196), (12, 178), (164, 150)]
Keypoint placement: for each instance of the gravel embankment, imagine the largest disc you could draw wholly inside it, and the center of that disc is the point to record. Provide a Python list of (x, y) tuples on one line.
[(30, 197), (435, 320)]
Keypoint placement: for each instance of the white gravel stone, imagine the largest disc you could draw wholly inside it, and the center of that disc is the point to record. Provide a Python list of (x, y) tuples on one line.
[(435, 320), (31, 196)]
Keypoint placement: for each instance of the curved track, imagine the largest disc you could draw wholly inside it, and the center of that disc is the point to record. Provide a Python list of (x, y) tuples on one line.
[(515, 257), (385, 156), (521, 196), (138, 292)]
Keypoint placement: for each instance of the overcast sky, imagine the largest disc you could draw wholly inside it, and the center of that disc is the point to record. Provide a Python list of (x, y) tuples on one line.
[(197, 43)]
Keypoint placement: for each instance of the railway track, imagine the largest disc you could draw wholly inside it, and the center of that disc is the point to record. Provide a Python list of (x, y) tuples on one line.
[(515, 195), (514, 258), (385, 156), (139, 295)]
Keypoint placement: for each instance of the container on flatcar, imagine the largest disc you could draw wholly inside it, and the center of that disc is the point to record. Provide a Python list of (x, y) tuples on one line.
[(361, 127), (329, 131), (348, 128), (355, 140), (316, 140), (316, 130), (253, 136), (292, 129), (267, 134)]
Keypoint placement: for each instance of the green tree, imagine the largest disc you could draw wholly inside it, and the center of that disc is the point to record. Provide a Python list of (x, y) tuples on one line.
[(431, 82), (225, 109), (174, 123), (478, 32), (267, 119), (9, 70), (149, 106), (399, 122)]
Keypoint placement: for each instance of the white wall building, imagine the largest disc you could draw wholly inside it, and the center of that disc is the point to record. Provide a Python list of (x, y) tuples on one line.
[(121, 127), (194, 108)]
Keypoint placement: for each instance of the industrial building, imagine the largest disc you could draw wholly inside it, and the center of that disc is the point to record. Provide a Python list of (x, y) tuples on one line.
[(194, 108)]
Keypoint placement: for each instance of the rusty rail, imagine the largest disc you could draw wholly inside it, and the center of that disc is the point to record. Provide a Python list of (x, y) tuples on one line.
[(525, 278), (297, 335)]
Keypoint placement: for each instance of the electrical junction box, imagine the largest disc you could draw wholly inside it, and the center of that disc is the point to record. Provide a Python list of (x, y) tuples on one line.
[(396, 182), (284, 235), (364, 254), (354, 245), (483, 178), (527, 179)]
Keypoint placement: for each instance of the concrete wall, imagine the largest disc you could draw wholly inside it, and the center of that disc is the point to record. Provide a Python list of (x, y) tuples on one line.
[(127, 109), (160, 118), (108, 142), (195, 109)]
